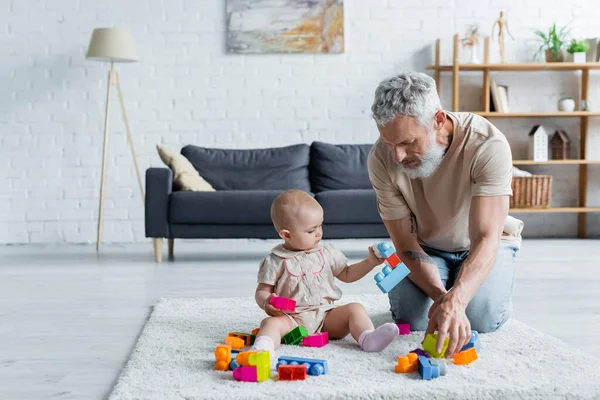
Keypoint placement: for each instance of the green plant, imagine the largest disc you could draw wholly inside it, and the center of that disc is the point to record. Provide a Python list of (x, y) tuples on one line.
[(554, 40), (578, 46)]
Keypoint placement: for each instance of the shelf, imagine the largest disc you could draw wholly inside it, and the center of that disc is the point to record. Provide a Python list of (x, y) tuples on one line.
[(495, 114), (555, 210), (551, 66), (554, 162)]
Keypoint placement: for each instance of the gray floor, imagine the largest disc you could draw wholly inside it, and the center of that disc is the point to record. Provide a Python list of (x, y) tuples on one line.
[(69, 317)]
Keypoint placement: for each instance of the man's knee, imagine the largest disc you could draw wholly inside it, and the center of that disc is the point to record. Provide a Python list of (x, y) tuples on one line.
[(409, 305), (486, 316)]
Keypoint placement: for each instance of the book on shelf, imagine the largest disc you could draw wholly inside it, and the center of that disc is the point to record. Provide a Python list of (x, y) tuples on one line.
[(498, 97)]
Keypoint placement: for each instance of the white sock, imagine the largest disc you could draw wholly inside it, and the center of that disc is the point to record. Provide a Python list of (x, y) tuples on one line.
[(263, 343), (379, 339)]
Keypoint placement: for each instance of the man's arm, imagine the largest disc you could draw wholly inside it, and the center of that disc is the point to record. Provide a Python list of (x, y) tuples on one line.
[(487, 216), (423, 270)]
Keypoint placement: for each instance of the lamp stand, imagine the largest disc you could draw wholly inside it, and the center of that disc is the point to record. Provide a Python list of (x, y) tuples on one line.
[(113, 79)]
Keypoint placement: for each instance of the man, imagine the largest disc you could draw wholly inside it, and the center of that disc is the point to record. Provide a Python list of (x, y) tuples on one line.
[(443, 182)]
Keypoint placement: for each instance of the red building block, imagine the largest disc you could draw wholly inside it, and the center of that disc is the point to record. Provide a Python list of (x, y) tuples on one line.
[(291, 373), (393, 260), (316, 340), (283, 303)]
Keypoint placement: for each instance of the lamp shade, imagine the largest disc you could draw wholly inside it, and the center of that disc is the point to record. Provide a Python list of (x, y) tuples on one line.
[(111, 44)]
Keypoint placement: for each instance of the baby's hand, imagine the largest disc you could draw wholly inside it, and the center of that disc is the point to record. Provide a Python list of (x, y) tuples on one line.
[(272, 311), (373, 258)]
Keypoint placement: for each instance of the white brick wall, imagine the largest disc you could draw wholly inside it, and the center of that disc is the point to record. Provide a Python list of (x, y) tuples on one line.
[(185, 89)]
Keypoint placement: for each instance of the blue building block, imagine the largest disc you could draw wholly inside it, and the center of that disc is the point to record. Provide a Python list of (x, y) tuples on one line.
[(441, 364), (427, 371), (233, 364), (388, 278), (473, 342), (383, 249), (313, 366)]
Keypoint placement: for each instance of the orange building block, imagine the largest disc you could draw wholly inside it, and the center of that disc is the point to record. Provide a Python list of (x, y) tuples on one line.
[(465, 357), (223, 356), (243, 358), (291, 373), (255, 331), (407, 363), (248, 338), (235, 342)]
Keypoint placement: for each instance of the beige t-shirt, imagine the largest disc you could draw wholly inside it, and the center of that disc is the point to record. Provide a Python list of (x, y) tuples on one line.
[(477, 163), (304, 276)]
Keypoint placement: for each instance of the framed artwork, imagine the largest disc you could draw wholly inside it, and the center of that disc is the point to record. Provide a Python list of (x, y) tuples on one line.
[(285, 26)]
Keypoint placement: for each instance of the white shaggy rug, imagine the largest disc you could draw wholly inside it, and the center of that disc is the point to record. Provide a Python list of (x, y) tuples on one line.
[(174, 359)]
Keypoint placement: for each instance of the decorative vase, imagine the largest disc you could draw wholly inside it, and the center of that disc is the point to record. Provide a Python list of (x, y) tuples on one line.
[(474, 59), (579, 57), (566, 105), (558, 57)]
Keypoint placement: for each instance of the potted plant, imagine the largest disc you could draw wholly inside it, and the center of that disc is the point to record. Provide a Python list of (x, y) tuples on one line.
[(553, 43), (577, 50), (566, 103)]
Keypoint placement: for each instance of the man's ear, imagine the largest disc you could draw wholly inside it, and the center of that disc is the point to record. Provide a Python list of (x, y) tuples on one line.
[(285, 234), (439, 119)]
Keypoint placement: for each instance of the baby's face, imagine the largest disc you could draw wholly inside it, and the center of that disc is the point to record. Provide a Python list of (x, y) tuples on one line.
[(307, 229)]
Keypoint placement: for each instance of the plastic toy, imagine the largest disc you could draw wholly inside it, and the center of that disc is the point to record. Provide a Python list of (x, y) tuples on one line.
[(291, 373), (420, 352), (255, 332), (407, 363), (235, 342), (223, 357), (388, 278), (295, 336), (254, 366), (404, 329), (465, 357), (428, 371), (441, 364), (473, 342), (383, 249), (283, 303), (248, 338), (313, 366), (316, 340), (429, 345), (233, 364)]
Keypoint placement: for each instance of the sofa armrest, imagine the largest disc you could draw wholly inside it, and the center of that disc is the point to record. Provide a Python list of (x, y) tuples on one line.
[(159, 185)]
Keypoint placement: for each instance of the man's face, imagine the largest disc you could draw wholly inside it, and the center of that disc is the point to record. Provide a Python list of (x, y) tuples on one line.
[(414, 146)]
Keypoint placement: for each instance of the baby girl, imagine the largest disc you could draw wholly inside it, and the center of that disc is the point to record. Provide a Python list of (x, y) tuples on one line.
[(303, 269)]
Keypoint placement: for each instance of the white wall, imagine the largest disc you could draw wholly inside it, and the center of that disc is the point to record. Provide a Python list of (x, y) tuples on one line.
[(185, 89)]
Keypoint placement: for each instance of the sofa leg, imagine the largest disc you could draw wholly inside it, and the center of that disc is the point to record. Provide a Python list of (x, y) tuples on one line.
[(157, 242), (171, 245)]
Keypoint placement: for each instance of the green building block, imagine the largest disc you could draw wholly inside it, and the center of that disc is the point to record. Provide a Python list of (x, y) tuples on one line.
[(295, 336), (429, 345)]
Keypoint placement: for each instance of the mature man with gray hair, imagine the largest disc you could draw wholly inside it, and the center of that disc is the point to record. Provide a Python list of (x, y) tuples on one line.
[(443, 181)]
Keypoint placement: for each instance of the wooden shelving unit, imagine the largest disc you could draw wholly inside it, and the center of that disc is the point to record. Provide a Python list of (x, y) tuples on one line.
[(485, 68)]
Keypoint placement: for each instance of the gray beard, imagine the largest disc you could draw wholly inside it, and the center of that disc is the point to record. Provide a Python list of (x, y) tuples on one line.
[(429, 163)]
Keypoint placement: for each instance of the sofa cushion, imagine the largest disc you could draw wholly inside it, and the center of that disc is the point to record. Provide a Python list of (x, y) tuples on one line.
[(185, 176), (339, 166), (351, 206), (276, 168), (222, 207)]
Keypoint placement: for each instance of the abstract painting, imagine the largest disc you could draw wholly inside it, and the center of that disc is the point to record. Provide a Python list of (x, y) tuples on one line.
[(285, 26)]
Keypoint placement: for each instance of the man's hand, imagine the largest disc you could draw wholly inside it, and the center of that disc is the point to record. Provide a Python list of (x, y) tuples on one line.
[(448, 316)]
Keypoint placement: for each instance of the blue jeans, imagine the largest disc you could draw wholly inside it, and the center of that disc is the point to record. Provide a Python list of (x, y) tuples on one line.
[(489, 309)]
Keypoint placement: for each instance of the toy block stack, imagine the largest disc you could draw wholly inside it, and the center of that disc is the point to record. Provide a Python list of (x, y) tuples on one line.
[(313, 366), (254, 366), (394, 271)]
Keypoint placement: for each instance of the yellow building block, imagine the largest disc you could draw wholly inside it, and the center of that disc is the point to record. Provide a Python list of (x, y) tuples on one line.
[(262, 361), (429, 345)]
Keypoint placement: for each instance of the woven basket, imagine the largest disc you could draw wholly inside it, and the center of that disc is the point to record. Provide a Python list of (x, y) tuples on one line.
[(531, 191)]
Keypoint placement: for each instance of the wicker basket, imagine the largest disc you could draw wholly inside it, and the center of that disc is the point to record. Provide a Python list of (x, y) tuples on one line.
[(531, 191)]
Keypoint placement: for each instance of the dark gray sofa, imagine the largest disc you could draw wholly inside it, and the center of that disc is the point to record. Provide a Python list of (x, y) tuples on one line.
[(247, 181)]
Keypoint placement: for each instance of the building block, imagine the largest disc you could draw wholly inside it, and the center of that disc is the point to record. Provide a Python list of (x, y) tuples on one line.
[(255, 332), (392, 261), (427, 371), (420, 352), (441, 364), (248, 338), (313, 366), (465, 357), (291, 373), (258, 359), (407, 363), (233, 364), (383, 249), (245, 374), (473, 342), (295, 336), (243, 357), (429, 345), (223, 357), (388, 278), (235, 342), (316, 340), (404, 329), (283, 303)]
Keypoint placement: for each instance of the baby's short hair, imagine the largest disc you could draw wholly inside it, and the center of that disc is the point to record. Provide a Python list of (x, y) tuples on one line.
[(287, 205)]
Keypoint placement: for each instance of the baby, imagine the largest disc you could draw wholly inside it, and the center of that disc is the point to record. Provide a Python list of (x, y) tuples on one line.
[(303, 269)]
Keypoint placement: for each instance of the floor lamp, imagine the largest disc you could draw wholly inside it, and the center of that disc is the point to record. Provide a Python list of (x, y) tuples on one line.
[(114, 45)]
